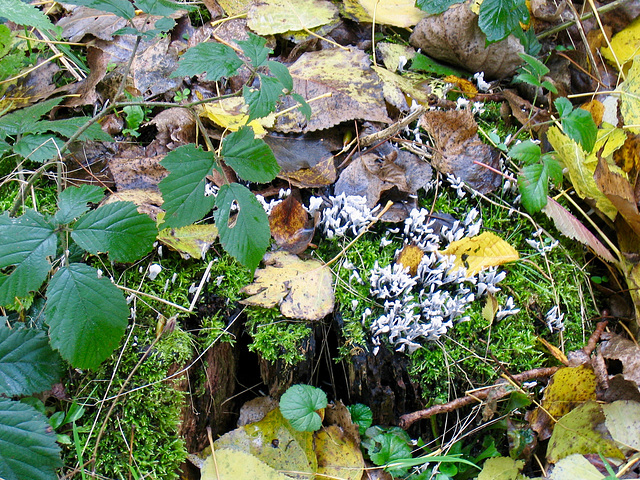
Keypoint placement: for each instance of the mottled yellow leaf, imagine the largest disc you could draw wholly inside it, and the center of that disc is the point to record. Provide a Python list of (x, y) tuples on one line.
[(339, 455), (410, 257), (270, 17), (630, 97), (191, 241), (232, 114), (286, 281), (231, 464), (610, 139), (479, 252), (579, 170), (626, 44), (398, 13)]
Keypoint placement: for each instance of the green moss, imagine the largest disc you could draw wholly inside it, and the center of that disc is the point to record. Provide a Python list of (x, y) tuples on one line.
[(274, 337)]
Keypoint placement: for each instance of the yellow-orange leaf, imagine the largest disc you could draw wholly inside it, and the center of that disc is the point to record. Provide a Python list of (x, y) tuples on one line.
[(482, 251)]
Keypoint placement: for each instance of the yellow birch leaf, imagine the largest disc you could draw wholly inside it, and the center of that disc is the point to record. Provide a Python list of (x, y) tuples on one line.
[(626, 44), (398, 13), (339, 455), (580, 171), (630, 98), (270, 17), (610, 138), (231, 464), (232, 114), (479, 252), (191, 241), (285, 281)]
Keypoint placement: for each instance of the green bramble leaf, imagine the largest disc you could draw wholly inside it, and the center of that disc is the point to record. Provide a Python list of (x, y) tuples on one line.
[(554, 169), (73, 202), (527, 152), (299, 405), (117, 229), (38, 148), (533, 65), (255, 49), (22, 13), (533, 183), (162, 8), (87, 315), (246, 235), (499, 18), (386, 448), (304, 107), (28, 365), (183, 190), (434, 7), (25, 120), (25, 243), (577, 123), (121, 8), (262, 101), (216, 59), (28, 448), (281, 72), (362, 416), (69, 126), (250, 157)]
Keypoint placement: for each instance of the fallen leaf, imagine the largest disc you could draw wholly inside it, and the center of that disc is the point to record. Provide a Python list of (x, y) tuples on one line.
[(609, 140), (355, 91), (630, 97), (320, 175), (479, 252), (89, 21), (394, 55), (410, 257), (501, 468), (619, 192), (569, 387), (176, 127), (623, 422), (627, 353), (625, 44), (454, 37), (232, 114), (490, 309), (231, 464), (137, 172), (148, 200), (627, 157), (414, 89), (580, 172), (596, 109), (555, 351), (575, 466), (290, 225), (270, 17), (573, 228), (191, 241), (398, 13), (256, 409), (467, 88), (582, 431), (339, 455), (458, 147), (285, 282)]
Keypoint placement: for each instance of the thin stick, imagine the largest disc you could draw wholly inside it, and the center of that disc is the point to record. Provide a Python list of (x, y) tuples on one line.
[(393, 129), (203, 280), (153, 297)]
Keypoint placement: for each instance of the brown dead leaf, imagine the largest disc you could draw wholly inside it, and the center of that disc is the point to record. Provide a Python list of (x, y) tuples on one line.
[(454, 37), (625, 351), (568, 388), (320, 175), (290, 225), (620, 192), (89, 21), (627, 157), (295, 152), (355, 90), (138, 172), (596, 109), (531, 117), (285, 282), (176, 127), (458, 147)]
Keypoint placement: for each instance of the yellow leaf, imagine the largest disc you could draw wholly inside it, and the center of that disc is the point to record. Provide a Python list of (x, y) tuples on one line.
[(630, 98), (467, 88), (339, 455), (398, 13), (270, 17), (626, 44), (490, 309), (191, 241), (232, 114), (231, 464), (580, 171), (479, 252), (610, 139), (410, 256), (285, 281)]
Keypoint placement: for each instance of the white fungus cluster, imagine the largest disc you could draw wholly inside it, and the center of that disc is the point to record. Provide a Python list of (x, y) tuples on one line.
[(346, 214), (423, 307)]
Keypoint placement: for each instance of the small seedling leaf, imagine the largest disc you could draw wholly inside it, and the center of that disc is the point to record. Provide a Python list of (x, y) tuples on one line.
[(250, 157), (245, 236), (28, 365), (73, 202), (533, 65), (122, 8), (387, 448), (118, 229), (183, 189), (255, 49), (25, 242), (87, 315), (527, 151), (299, 405), (498, 18), (579, 126), (533, 183), (28, 448), (162, 8), (361, 415), (216, 59)]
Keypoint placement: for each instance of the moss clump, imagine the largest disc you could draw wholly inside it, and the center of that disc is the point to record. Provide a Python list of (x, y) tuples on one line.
[(141, 435)]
